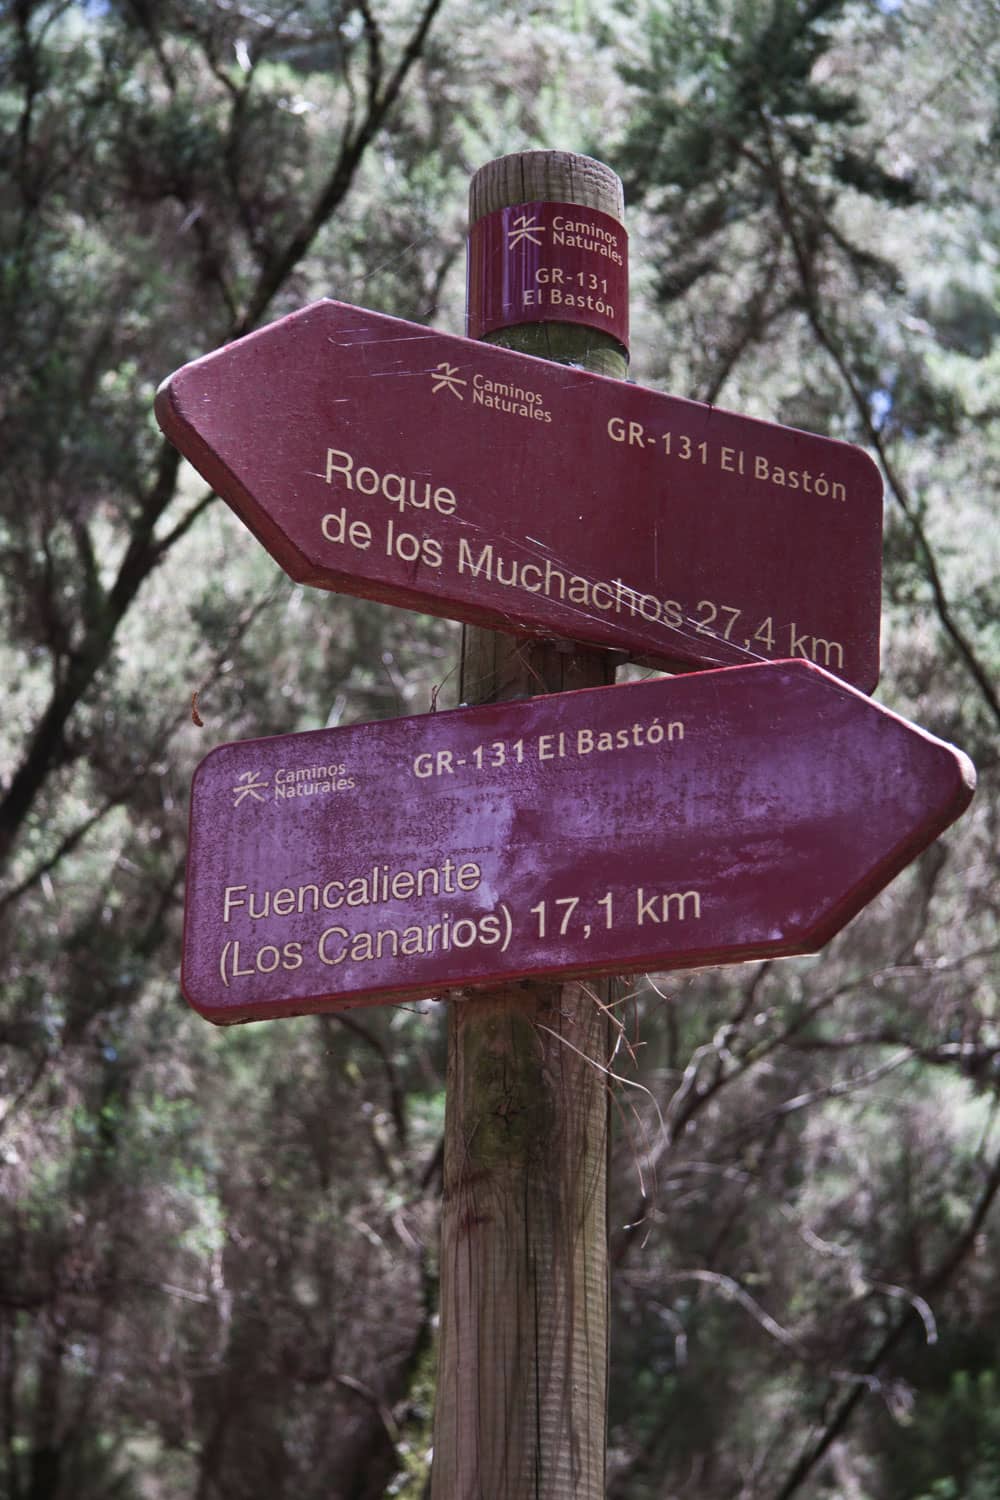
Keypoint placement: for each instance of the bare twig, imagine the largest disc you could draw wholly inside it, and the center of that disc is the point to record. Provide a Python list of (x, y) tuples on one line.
[(930, 1285)]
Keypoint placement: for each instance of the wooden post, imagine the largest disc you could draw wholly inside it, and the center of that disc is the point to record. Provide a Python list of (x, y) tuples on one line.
[(522, 1383)]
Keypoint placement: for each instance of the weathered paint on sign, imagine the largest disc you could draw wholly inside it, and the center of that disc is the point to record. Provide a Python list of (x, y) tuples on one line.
[(703, 819), (376, 457), (548, 263)]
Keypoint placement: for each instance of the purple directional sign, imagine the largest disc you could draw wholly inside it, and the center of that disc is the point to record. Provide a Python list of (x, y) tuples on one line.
[(376, 457), (725, 815)]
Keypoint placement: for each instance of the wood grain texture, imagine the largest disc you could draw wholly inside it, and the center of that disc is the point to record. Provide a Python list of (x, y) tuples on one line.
[(522, 1390), (521, 1408), (545, 176)]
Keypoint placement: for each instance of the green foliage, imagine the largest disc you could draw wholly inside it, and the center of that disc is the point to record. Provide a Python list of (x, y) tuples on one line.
[(217, 1249), (953, 1452)]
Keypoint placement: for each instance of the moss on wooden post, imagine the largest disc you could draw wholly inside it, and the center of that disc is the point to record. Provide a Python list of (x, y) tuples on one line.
[(522, 1382)]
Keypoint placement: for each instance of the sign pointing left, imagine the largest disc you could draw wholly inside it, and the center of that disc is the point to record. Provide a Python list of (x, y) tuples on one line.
[(376, 457)]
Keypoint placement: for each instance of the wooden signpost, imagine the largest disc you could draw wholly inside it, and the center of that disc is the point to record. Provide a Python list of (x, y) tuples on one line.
[(705, 819), (376, 457), (510, 854), (522, 1376)]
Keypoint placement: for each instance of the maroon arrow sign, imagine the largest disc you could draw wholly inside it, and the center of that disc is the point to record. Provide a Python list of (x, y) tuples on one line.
[(720, 816), (376, 457)]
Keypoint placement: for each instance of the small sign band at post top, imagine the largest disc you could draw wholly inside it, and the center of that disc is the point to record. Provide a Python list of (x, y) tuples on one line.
[(720, 816), (548, 263)]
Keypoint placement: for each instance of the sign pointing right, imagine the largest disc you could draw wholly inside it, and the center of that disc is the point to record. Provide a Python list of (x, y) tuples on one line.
[(705, 819)]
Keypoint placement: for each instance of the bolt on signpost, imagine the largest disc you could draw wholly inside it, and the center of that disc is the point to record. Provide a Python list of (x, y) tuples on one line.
[(512, 854)]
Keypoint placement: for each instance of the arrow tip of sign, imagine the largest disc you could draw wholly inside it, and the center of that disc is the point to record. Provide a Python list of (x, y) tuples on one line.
[(957, 779), (966, 771), (163, 404)]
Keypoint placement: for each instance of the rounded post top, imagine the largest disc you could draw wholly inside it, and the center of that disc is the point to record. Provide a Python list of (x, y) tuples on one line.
[(545, 176)]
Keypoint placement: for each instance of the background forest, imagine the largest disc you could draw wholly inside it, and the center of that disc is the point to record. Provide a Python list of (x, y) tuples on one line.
[(217, 1249)]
